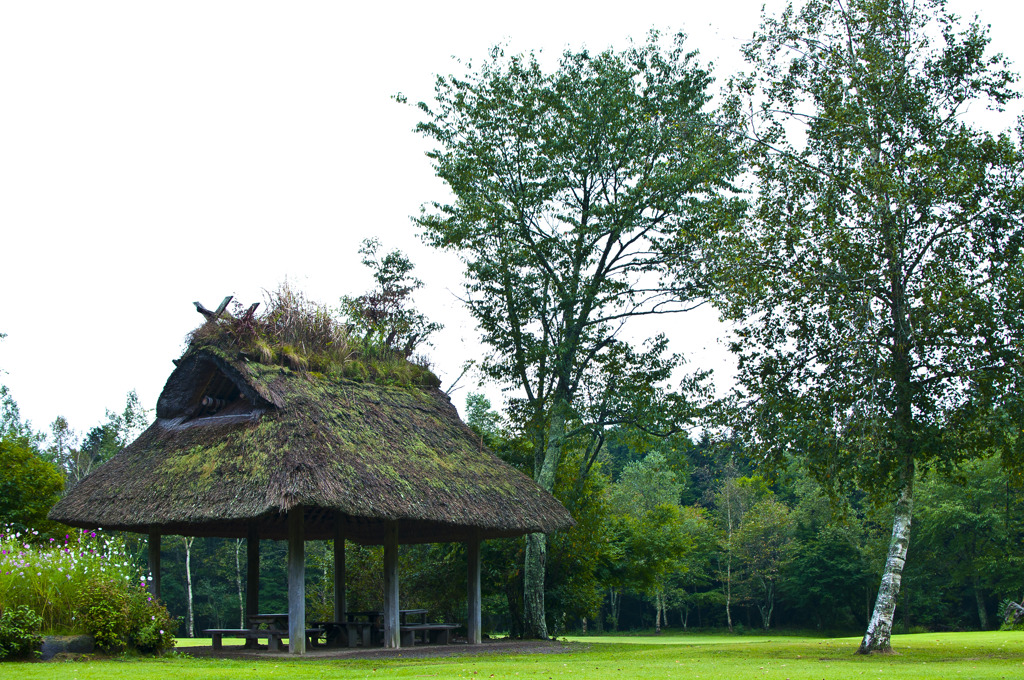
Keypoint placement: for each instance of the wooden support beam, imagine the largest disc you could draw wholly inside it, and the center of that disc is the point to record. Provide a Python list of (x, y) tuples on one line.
[(340, 606), (154, 563), (252, 578), (473, 626), (392, 633), (296, 581)]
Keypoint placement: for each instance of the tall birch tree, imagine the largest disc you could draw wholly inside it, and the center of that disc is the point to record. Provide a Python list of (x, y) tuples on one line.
[(575, 194), (869, 284)]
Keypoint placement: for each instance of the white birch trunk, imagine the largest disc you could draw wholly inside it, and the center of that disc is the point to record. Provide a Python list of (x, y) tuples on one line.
[(877, 637), (728, 590), (238, 583), (191, 625), (613, 599)]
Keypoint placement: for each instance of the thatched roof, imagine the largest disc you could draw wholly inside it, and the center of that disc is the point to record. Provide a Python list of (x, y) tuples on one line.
[(270, 439)]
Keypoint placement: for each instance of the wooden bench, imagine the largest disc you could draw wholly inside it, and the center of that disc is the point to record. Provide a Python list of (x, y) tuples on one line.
[(435, 633), (275, 637)]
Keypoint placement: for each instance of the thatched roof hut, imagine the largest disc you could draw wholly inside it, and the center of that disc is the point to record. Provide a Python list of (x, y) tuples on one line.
[(255, 438), (271, 439)]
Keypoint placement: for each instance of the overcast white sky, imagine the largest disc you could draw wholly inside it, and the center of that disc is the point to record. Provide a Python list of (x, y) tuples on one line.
[(156, 153)]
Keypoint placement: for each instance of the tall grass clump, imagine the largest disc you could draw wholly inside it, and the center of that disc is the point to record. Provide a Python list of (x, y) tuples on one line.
[(83, 583), (371, 340), (290, 330)]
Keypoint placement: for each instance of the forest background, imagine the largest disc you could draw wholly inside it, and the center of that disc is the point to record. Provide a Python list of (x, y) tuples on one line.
[(666, 536)]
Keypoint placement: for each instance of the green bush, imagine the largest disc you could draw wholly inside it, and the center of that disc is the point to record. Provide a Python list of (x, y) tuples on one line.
[(103, 613), (119, 618), (151, 626), (19, 633)]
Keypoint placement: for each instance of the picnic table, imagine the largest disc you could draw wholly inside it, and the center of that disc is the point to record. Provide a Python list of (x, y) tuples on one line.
[(273, 627), (367, 627)]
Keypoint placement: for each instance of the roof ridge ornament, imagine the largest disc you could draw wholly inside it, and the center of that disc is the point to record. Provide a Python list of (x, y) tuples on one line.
[(213, 316)]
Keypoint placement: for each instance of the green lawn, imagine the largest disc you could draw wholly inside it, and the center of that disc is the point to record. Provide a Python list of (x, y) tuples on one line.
[(942, 656)]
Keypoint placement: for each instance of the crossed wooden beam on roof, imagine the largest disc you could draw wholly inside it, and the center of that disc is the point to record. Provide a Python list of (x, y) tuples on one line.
[(214, 315)]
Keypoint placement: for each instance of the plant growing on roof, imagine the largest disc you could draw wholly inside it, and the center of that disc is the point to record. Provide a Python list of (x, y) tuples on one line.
[(291, 330), (384, 317)]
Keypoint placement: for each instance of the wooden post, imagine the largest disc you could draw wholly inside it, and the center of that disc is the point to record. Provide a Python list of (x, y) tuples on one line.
[(473, 626), (339, 570), (154, 563), (392, 632), (296, 582), (252, 578)]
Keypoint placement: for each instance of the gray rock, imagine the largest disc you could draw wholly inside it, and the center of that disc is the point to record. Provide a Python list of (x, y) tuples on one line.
[(66, 644)]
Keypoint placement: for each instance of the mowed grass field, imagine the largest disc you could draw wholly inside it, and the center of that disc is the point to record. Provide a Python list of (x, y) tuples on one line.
[(939, 656)]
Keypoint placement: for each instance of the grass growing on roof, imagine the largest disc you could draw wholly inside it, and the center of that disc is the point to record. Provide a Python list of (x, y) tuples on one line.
[(292, 331)]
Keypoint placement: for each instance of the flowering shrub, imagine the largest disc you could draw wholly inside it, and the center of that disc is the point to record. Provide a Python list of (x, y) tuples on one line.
[(84, 583)]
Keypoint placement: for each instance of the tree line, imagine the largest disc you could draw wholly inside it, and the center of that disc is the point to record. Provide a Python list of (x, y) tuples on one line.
[(671, 534)]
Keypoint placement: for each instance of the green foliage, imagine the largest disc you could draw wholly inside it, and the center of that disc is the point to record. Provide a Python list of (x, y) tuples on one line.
[(576, 555), (12, 427), (118, 617), (855, 282), (649, 533), (102, 442), (570, 187), (689, 586), (382, 317), (971, 534), (29, 486), (646, 484), (104, 614), (19, 632), (152, 628), (874, 282), (764, 547), (482, 420), (827, 579), (648, 545)]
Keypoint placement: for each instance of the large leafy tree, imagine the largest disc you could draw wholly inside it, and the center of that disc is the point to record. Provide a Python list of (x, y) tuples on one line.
[(870, 282), (764, 546), (574, 191), (648, 529), (29, 486)]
